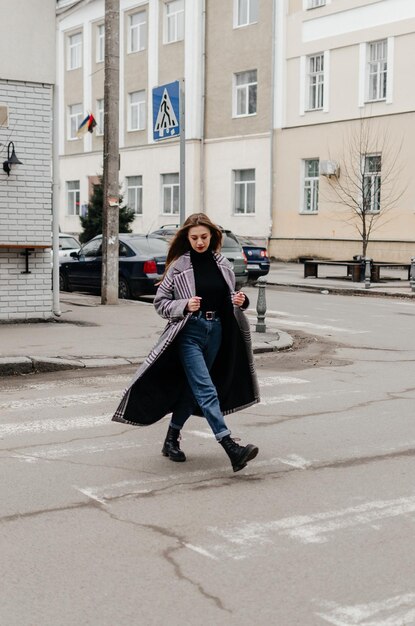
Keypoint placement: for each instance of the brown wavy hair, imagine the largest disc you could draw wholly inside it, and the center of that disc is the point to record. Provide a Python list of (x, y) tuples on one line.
[(180, 244)]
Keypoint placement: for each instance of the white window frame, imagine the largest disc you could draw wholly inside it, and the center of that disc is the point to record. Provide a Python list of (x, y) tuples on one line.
[(173, 190), (309, 5), (315, 82), (174, 18), (140, 115), (315, 4), (377, 70), (100, 116), (310, 184), (75, 118), (252, 7), (73, 197), (375, 183), (137, 33), (244, 90), (136, 190), (100, 43), (74, 60), (245, 185)]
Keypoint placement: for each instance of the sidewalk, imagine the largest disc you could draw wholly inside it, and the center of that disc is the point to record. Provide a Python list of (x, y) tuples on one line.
[(333, 279), (89, 335)]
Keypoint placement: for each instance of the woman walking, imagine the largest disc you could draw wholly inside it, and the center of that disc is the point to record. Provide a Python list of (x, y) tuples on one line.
[(203, 362)]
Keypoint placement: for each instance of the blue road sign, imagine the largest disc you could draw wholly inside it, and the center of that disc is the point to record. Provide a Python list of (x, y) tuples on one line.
[(166, 111)]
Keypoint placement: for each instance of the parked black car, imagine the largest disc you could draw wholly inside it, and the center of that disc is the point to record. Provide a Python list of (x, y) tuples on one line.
[(257, 256), (141, 264), (231, 249)]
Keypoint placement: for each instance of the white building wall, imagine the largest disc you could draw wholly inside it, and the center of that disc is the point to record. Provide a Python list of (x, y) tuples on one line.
[(222, 158), (25, 201)]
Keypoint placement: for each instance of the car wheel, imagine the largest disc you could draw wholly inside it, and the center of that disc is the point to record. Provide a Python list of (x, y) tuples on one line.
[(63, 283), (123, 289)]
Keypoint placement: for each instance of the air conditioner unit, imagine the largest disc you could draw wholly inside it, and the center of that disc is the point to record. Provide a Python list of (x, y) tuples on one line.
[(329, 168)]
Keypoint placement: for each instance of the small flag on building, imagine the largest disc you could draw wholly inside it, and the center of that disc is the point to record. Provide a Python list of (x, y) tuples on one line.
[(88, 124)]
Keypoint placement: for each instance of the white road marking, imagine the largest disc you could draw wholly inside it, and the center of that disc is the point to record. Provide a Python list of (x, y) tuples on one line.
[(284, 398), (200, 433), (134, 486), (270, 381), (69, 382), (309, 325), (201, 551), (60, 451), (63, 401), (299, 397), (315, 528), (54, 425), (394, 611), (294, 460)]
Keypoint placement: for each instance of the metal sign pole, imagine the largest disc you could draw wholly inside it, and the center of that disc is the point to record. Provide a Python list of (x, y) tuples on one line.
[(182, 186)]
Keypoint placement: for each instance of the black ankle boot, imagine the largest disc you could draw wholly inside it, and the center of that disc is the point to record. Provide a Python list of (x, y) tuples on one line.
[(239, 455), (171, 447)]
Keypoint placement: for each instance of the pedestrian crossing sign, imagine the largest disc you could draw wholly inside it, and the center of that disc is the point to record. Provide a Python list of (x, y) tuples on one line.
[(166, 111)]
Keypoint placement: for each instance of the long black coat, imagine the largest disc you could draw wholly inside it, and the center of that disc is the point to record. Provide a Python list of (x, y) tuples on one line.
[(160, 380)]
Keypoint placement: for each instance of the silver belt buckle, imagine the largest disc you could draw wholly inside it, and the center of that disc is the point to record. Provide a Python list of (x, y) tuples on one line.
[(210, 315)]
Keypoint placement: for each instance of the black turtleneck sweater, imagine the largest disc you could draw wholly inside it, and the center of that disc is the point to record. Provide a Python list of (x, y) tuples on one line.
[(210, 284)]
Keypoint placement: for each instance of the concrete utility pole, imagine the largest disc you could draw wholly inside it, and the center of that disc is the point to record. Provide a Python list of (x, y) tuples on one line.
[(110, 221)]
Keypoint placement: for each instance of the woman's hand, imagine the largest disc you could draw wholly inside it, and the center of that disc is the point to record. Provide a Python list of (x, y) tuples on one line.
[(238, 298), (193, 304)]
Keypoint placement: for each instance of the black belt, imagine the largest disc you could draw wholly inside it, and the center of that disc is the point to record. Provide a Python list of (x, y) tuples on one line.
[(207, 315)]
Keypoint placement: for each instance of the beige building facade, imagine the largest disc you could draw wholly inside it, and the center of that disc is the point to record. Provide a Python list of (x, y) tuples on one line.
[(345, 127), (222, 51)]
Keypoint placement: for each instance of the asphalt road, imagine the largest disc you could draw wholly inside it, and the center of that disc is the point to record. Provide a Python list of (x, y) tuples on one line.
[(97, 528)]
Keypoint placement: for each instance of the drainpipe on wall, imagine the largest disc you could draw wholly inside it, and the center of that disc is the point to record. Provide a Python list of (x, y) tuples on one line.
[(202, 112), (55, 206), (271, 137)]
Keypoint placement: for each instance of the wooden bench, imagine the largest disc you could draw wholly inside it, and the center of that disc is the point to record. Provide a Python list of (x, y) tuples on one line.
[(376, 266), (353, 268)]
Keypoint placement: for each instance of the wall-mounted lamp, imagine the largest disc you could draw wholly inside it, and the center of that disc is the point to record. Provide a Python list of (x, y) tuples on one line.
[(11, 159)]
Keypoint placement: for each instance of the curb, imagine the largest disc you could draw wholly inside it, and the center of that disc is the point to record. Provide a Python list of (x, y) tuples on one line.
[(343, 291), (11, 366)]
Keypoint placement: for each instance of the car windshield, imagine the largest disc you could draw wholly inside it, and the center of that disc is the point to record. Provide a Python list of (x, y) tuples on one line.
[(230, 241), (68, 243), (151, 245)]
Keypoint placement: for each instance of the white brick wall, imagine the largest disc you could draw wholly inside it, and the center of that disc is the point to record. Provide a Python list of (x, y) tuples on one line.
[(25, 201)]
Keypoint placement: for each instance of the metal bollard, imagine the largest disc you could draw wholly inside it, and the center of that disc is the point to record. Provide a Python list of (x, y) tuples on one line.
[(412, 279), (368, 265), (261, 307)]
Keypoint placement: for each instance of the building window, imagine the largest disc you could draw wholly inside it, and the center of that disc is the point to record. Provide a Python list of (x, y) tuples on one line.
[(371, 183), (377, 69), (315, 81), (313, 4), (244, 192), (170, 193), (311, 183), (137, 39), (75, 113), (246, 12), (245, 93), (135, 194), (100, 43), (74, 51), (73, 196), (100, 116), (137, 110), (174, 21)]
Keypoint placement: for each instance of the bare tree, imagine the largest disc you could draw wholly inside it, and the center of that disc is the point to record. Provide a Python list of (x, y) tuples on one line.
[(367, 185)]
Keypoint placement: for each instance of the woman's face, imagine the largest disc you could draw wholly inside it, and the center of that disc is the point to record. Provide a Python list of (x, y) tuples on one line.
[(199, 237)]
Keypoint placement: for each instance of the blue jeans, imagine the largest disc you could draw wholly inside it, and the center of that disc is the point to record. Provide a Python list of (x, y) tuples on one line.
[(198, 344)]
